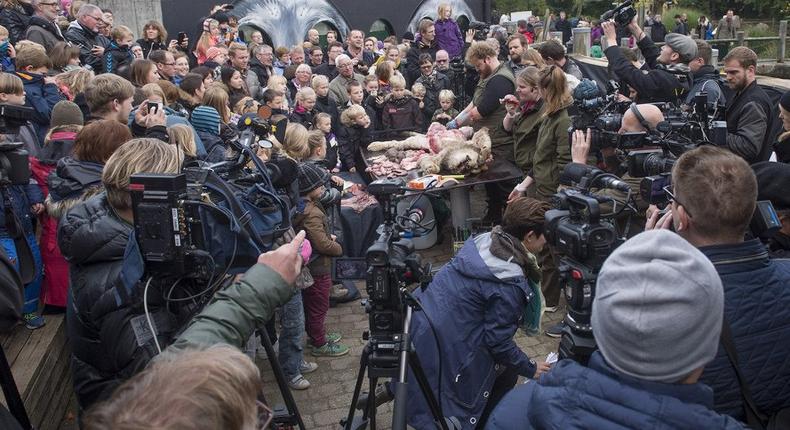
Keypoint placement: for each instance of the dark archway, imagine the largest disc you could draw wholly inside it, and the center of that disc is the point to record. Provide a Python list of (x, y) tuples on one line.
[(247, 30), (381, 29), (323, 28)]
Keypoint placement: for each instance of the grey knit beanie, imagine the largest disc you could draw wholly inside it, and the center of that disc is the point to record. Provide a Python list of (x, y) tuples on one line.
[(658, 308)]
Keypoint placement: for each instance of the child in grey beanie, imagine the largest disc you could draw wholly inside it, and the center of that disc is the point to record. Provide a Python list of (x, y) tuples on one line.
[(658, 308)]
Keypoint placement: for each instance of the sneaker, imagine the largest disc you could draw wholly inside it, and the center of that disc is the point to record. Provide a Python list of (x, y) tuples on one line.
[(555, 330), (338, 291), (551, 309), (330, 350), (299, 383), (307, 367), (33, 321), (333, 337)]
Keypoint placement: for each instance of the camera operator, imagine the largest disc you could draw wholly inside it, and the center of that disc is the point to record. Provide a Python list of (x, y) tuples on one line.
[(713, 201), (657, 315), (485, 110), (773, 181), (475, 303), (668, 78), (93, 237), (226, 380), (706, 77), (749, 118)]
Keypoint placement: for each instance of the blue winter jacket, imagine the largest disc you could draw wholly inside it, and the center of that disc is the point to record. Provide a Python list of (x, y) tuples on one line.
[(572, 396), (474, 303), (42, 98), (22, 198), (757, 307)]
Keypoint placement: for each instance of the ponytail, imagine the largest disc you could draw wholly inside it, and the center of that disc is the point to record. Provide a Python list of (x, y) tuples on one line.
[(556, 95)]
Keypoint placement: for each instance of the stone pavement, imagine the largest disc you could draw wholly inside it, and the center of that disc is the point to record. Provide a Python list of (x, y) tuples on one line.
[(327, 401)]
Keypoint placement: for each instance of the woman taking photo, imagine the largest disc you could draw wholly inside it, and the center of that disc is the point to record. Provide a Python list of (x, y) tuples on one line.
[(208, 39), (154, 38)]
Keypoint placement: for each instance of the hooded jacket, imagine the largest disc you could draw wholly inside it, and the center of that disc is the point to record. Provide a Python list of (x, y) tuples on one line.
[(44, 32), (42, 97), (16, 20), (402, 113), (474, 303), (116, 57), (708, 79), (418, 48), (571, 397), (85, 39), (448, 37), (71, 182)]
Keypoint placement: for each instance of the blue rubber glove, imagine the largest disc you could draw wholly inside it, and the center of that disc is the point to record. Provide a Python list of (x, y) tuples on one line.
[(452, 125)]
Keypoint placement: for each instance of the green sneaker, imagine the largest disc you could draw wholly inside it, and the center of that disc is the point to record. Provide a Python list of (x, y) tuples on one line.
[(333, 337), (330, 350)]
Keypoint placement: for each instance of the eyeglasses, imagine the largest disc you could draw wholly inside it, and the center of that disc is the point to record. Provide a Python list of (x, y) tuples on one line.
[(168, 64), (264, 415), (673, 198), (97, 18)]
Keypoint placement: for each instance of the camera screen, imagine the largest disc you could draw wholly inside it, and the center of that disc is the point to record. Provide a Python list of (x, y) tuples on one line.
[(346, 268)]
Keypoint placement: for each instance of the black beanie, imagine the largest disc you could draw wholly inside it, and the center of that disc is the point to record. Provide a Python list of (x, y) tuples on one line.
[(773, 181), (310, 177)]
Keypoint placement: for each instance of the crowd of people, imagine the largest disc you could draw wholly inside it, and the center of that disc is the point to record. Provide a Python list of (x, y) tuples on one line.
[(107, 103)]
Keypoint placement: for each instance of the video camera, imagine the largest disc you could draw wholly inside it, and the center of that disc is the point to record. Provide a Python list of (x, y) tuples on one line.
[(481, 29), (622, 14), (602, 114), (584, 237)]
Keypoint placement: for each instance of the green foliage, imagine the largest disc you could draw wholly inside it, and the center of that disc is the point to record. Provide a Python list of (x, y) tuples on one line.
[(764, 49), (668, 18)]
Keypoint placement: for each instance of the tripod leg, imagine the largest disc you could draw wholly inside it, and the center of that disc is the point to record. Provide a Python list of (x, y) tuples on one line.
[(11, 392), (371, 406), (290, 403), (425, 387), (363, 364)]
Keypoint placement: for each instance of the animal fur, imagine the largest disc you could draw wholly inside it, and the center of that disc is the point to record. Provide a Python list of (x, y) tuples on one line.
[(460, 157)]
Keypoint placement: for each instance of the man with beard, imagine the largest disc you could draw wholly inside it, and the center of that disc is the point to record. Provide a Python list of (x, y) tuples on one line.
[(261, 64), (315, 39), (329, 69), (485, 110), (748, 111), (443, 62), (516, 47), (359, 57)]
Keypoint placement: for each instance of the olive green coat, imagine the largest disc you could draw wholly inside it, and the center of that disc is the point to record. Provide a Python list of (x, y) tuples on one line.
[(552, 153)]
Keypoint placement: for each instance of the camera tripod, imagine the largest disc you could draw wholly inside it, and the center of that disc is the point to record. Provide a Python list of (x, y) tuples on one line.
[(386, 356), (287, 417)]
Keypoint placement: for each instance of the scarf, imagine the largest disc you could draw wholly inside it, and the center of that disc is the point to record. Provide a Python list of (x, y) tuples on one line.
[(509, 248)]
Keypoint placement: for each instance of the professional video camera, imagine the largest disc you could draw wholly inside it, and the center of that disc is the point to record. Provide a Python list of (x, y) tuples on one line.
[(601, 112), (584, 237), (622, 14), (481, 29)]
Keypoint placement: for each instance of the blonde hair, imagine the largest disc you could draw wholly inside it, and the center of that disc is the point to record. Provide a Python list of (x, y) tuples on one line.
[(296, 141), (531, 57), (443, 7), (31, 54), (350, 115), (143, 155), (418, 88), (182, 136), (397, 81), (276, 79), (212, 388), (556, 95), (216, 97), (205, 37), (320, 117), (316, 80), (241, 106), (76, 80), (316, 140), (446, 95), (11, 84), (154, 90), (304, 93), (3, 31), (121, 31)]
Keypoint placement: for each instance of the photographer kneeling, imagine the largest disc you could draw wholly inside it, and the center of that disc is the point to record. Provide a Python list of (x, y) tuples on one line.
[(474, 303)]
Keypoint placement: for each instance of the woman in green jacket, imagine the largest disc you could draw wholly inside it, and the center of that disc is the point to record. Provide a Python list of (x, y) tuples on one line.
[(553, 149), (523, 120)]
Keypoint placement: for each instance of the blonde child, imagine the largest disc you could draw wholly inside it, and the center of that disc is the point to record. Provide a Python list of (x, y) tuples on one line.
[(401, 111), (446, 112)]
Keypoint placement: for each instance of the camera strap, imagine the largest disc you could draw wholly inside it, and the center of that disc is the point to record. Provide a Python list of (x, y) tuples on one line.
[(640, 118)]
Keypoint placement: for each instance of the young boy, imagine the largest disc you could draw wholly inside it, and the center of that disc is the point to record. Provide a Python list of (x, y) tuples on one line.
[(314, 221), (446, 112), (356, 96), (119, 53), (274, 99), (355, 134), (374, 100), (7, 52), (401, 111), (42, 93), (26, 203), (323, 123)]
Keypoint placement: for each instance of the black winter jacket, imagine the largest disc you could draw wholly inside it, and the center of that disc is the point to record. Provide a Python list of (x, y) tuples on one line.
[(306, 118), (400, 114), (350, 140), (116, 57), (85, 39), (44, 33), (659, 83), (150, 46), (749, 122), (326, 105), (261, 71), (434, 84), (16, 20), (413, 59)]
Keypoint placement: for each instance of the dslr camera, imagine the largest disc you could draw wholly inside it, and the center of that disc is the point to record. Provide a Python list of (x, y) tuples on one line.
[(481, 29), (622, 14)]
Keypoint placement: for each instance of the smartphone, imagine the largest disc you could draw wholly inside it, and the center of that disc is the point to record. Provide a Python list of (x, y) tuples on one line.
[(181, 37), (152, 107)]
